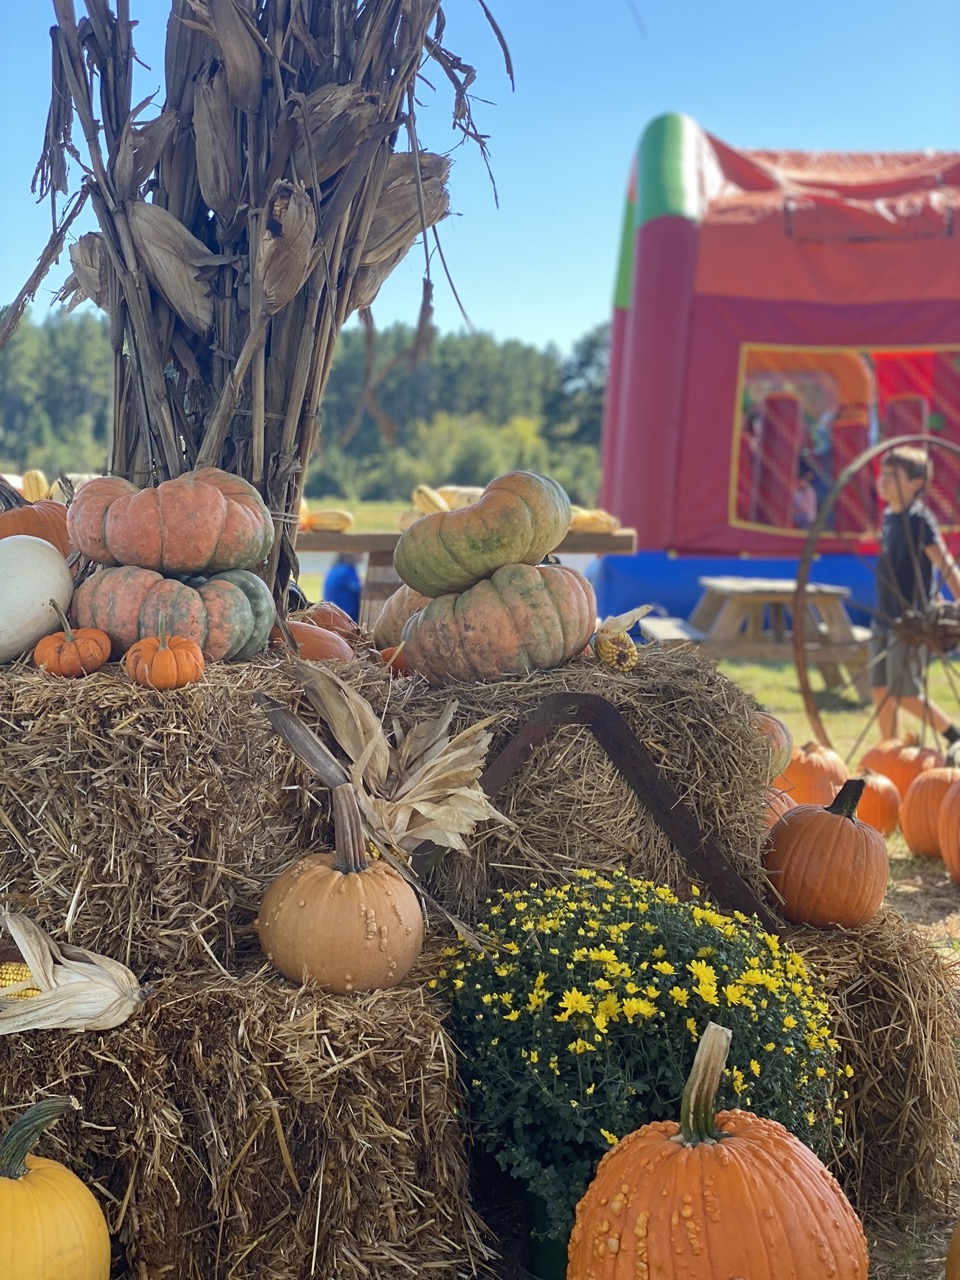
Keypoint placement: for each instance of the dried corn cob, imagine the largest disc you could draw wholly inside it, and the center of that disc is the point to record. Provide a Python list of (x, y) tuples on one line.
[(13, 973)]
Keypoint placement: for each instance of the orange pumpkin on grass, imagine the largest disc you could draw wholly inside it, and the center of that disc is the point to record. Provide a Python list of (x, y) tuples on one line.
[(920, 810), (948, 832), (880, 803), (900, 760), (814, 775)]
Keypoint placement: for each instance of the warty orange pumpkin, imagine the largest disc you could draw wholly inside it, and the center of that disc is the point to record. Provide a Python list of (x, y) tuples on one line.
[(51, 1226), (342, 919), (519, 518), (203, 521), (726, 1194), (229, 615), (523, 618), (826, 867)]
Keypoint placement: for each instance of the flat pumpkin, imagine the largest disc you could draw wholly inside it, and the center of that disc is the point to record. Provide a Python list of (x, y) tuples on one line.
[(524, 618), (229, 615), (203, 521), (519, 518), (46, 519)]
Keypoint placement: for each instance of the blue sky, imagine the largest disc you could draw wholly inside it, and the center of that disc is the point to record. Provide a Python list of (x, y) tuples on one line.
[(539, 266)]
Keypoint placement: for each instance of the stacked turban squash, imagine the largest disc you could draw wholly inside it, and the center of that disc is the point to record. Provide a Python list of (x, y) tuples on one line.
[(181, 551), (476, 602)]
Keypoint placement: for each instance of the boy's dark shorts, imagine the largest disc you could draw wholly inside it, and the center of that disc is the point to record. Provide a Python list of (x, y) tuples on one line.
[(896, 666)]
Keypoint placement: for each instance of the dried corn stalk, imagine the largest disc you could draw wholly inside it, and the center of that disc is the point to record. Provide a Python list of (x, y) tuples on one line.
[(78, 989)]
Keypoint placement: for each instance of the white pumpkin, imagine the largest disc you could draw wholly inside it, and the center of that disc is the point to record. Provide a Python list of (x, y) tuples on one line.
[(32, 572)]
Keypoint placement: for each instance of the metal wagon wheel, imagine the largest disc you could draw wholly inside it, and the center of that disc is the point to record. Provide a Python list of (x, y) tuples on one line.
[(927, 624)]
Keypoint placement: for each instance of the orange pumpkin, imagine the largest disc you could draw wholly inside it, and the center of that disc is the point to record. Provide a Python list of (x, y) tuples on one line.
[(45, 519), (880, 803), (340, 919), (393, 658), (72, 652), (920, 810), (948, 832), (814, 775), (777, 804), (331, 617), (952, 1271), (726, 1194), (315, 644), (200, 522), (518, 519), (524, 618), (826, 866), (900, 760), (162, 662), (397, 608)]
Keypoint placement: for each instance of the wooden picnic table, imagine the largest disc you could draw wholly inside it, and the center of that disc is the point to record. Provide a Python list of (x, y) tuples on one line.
[(750, 619), (380, 579)]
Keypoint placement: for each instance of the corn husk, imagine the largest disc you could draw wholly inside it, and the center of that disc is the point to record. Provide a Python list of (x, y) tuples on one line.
[(90, 277), (398, 218), (79, 990), (336, 120), (218, 171), (240, 51), (172, 259), (286, 252)]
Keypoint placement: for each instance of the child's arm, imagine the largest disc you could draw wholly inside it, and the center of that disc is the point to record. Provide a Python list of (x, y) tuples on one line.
[(939, 555)]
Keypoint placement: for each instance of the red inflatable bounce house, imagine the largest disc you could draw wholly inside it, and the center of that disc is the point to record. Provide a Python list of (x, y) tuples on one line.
[(776, 314)]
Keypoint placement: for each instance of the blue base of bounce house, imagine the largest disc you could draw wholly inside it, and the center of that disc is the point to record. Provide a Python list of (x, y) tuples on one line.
[(669, 581)]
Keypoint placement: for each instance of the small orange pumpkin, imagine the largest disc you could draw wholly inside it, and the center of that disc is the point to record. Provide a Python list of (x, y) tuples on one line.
[(900, 760), (814, 775), (393, 658), (77, 651), (880, 803), (920, 810), (827, 867), (315, 644), (162, 662)]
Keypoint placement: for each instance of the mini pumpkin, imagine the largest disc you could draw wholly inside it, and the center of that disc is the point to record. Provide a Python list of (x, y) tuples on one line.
[(51, 1226), (164, 662), (340, 919), (72, 652), (518, 519), (826, 866), (673, 1200)]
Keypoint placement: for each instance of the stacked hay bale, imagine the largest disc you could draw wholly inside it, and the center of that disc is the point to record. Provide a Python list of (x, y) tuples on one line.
[(238, 1126)]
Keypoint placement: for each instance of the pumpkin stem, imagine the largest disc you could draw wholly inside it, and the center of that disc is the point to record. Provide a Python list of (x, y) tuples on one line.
[(698, 1107), (351, 855), (847, 798), (18, 1141), (67, 633)]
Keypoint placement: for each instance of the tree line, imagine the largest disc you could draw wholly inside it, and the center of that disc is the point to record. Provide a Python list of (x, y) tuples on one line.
[(460, 412)]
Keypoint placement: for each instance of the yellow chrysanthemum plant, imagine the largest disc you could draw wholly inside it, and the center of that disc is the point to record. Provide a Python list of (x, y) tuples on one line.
[(581, 1024)]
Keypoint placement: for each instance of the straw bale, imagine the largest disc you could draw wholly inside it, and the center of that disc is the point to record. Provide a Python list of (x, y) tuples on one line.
[(894, 1009), (146, 826), (239, 1127)]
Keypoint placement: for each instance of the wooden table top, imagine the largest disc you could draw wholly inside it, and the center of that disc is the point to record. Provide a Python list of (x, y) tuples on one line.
[(769, 588), (620, 542)]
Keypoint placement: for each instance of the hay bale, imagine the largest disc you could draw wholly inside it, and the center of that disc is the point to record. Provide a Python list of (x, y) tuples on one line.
[(894, 1009), (238, 1127), (151, 823)]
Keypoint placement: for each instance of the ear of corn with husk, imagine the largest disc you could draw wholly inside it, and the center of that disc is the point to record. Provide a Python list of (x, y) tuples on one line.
[(333, 121), (286, 252), (78, 990), (611, 643), (218, 170), (172, 259)]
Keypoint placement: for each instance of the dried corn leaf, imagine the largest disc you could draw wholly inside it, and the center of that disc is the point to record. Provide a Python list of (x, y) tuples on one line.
[(91, 272), (352, 721), (223, 21), (172, 258), (336, 120), (79, 989)]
